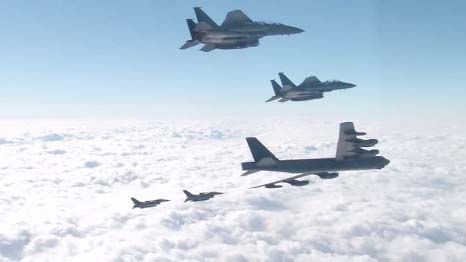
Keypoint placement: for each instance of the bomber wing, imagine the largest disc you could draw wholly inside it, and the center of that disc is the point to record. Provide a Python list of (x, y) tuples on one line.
[(323, 175), (350, 146), (234, 18)]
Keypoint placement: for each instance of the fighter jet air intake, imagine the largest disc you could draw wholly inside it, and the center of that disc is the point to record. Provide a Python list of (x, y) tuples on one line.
[(236, 31), (311, 88), (349, 156)]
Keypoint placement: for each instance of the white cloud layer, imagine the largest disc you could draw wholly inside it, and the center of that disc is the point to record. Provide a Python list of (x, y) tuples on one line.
[(65, 189)]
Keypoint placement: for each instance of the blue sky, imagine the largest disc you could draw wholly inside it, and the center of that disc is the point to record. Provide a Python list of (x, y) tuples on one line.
[(121, 58)]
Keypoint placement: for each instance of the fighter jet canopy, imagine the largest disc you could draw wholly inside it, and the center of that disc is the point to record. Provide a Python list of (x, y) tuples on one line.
[(311, 80)]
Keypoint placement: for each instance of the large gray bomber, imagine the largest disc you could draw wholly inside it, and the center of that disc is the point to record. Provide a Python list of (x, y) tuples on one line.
[(350, 156), (311, 88), (237, 31)]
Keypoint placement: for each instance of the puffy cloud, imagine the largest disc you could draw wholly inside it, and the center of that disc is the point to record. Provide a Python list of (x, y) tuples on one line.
[(53, 209)]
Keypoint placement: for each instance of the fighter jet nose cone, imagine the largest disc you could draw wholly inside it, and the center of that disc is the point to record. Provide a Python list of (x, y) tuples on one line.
[(295, 30)]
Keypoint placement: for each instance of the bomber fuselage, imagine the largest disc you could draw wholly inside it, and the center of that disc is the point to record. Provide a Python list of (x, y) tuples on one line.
[(317, 165)]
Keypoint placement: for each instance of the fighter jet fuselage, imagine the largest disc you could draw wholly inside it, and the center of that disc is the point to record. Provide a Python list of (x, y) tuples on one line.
[(200, 197), (146, 204), (311, 88), (237, 31)]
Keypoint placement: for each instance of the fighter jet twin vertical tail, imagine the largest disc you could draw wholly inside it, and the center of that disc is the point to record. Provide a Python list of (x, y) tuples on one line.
[(311, 88), (349, 156), (236, 31)]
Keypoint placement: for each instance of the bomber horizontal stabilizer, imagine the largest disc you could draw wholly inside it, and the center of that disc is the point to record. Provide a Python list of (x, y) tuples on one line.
[(249, 172)]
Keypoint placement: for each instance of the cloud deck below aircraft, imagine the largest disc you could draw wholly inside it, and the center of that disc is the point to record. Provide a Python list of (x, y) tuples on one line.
[(53, 206)]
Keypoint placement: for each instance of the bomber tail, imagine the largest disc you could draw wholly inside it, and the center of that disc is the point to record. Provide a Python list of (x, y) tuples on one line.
[(193, 41), (136, 202), (258, 151), (285, 81), (203, 17), (276, 88)]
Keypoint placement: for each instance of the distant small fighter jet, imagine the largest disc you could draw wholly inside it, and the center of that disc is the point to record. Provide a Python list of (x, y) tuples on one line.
[(146, 204), (350, 156), (201, 197), (237, 31), (311, 88)]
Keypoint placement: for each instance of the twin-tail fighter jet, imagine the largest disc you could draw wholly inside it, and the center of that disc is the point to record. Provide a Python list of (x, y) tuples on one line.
[(146, 204), (311, 88), (200, 197), (236, 31), (350, 156)]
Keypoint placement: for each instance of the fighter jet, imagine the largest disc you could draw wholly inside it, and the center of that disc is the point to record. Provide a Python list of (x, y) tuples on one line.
[(146, 204), (201, 197), (311, 88), (350, 155), (236, 31)]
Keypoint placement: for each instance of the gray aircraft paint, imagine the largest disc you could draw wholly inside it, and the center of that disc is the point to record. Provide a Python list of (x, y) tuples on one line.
[(349, 156), (237, 31), (311, 88), (200, 197), (146, 204)]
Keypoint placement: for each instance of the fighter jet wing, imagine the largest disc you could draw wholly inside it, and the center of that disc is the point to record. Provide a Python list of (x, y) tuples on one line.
[(189, 44), (208, 48), (349, 145), (236, 17), (283, 100)]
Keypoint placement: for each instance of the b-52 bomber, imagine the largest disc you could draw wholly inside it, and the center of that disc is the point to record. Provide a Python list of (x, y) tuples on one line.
[(311, 88), (146, 204), (236, 31), (350, 155), (200, 197)]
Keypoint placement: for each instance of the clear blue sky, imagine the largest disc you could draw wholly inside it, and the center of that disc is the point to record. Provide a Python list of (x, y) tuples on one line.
[(121, 58)]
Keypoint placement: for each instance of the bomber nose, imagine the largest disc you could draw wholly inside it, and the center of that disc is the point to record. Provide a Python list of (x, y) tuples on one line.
[(349, 85), (386, 162)]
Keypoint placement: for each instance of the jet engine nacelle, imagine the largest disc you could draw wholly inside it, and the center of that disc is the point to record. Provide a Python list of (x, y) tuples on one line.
[(355, 133), (363, 142), (273, 186), (239, 44), (365, 153), (328, 175), (305, 98), (295, 182)]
